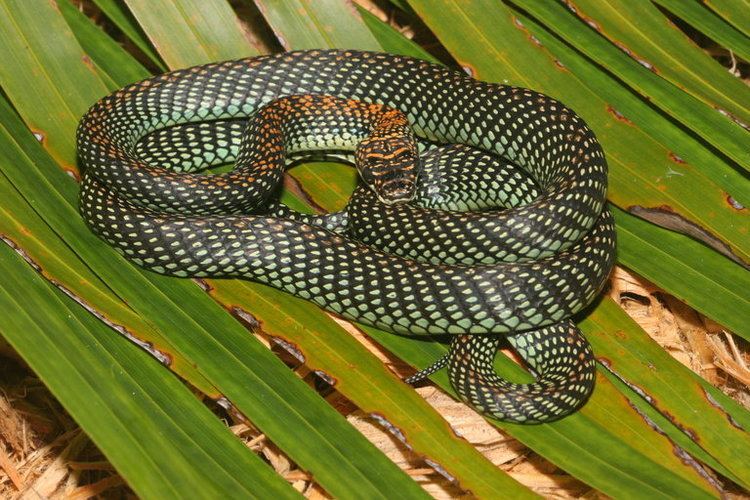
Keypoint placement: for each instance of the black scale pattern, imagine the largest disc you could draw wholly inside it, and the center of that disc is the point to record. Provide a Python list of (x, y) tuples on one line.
[(187, 224)]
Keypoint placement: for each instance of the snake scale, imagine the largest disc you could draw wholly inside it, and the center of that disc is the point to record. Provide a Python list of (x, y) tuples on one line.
[(506, 232)]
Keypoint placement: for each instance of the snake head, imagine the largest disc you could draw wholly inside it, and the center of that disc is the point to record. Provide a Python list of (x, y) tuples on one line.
[(389, 166)]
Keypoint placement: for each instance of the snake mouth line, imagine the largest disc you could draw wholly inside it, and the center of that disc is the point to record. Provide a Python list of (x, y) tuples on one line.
[(396, 191)]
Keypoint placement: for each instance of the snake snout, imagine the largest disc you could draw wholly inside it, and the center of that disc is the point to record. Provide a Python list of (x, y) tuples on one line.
[(396, 191)]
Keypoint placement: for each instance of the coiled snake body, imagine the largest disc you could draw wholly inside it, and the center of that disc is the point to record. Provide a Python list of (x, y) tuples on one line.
[(417, 268)]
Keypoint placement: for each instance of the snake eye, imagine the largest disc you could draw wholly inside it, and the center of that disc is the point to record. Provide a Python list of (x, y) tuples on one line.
[(402, 155)]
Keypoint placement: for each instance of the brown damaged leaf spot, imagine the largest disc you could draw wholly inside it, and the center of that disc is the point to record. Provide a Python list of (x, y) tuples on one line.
[(734, 203), (160, 355), (88, 63), (619, 116), (469, 69), (597, 27), (675, 158), (640, 60), (399, 434), (538, 43), (289, 347), (666, 217), (605, 362), (559, 65), (245, 317), (441, 470), (732, 117), (718, 405), (583, 17), (586, 19), (24, 255), (328, 379), (204, 285), (251, 322), (295, 187), (39, 135), (685, 457), (691, 433), (392, 429), (654, 403), (529, 35), (73, 173), (635, 388)]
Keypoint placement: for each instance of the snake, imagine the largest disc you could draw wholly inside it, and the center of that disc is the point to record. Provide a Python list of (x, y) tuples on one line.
[(481, 214)]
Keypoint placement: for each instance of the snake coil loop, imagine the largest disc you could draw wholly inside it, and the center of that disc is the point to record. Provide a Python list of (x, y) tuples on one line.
[(508, 232)]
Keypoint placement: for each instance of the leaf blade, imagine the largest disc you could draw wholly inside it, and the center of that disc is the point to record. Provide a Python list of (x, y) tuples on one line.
[(146, 410), (190, 32)]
